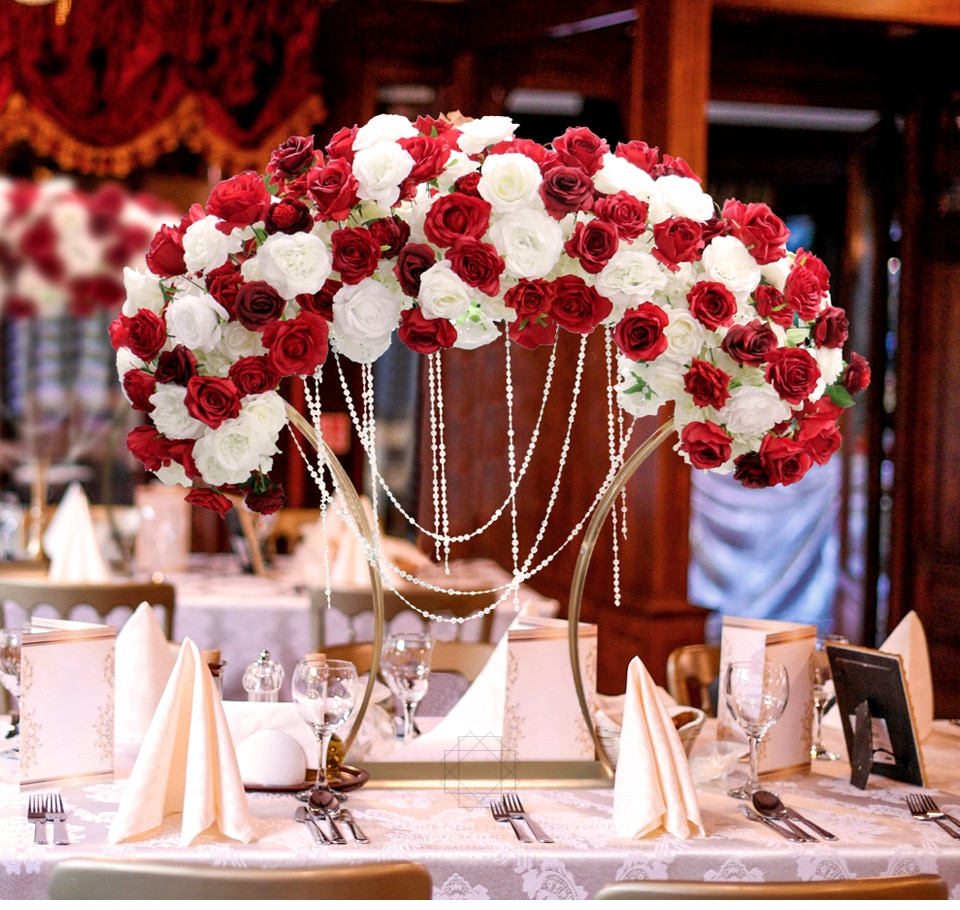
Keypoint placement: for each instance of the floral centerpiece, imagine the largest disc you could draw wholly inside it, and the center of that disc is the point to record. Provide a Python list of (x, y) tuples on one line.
[(452, 233)]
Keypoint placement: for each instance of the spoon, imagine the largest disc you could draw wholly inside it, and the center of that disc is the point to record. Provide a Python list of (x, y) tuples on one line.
[(769, 804), (325, 804), (302, 815)]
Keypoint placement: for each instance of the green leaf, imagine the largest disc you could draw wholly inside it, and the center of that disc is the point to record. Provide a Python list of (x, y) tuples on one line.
[(840, 396)]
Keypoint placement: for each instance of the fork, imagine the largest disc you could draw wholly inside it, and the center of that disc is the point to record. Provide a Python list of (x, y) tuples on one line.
[(513, 805), (500, 814), (58, 814), (918, 809), (37, 813)]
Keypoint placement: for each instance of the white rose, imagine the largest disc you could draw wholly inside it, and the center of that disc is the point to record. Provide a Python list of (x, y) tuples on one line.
[(364, 316), (360, 351), (727, 260), (233, 451), (383, 128), (685, 336), (473, 331), (443, 293), (752, 410), (143, 292), (237, 341), (775, 273), (618, 174), (634, 394), (193, 319), (665, 377), (679, 197), (510, 182), (267, 410), (173, 475), (295, 263), (830, 361), (126, 361), (206, 247), (170, 414), (530, 242), (380, 170), (457, 165), (48, 298), (476, 135), (630, 278)]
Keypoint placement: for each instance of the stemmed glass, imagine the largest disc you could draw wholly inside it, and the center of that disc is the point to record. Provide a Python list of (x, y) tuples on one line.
[(10, 641), (405, 664), (824, 698), (756, 694), (325, 693)]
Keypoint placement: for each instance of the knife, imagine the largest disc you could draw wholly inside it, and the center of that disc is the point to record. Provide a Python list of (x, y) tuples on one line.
[(769, 822)]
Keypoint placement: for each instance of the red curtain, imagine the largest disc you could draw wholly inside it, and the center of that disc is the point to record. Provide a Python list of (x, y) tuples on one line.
[(119, 84)]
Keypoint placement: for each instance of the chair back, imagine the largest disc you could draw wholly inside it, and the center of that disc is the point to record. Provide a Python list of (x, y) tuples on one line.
[(467, 658), (692, 671), (114, 878)]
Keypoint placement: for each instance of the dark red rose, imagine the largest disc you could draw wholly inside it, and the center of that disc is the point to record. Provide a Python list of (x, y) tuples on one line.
[(356, 254), (749, 344), (423, 335), (223, 282), (715, 227), (758, 229), (706, 384), (321, 303), (625, 212), (454, 216), (677, 240), (532, 301), (165, 256), (297, 346), (793, 372), (413, 261), (288, 216), (706, 444), (334, 189), (594, 244), (209, 499), (139, 385), (90, 293), (253, 375), (856, 377), (176, 366), (477, 264), (566, 189), (831, 328), (39, 244), (784, 460), (750, 471), (772, 305), (390, 234), (341, 143), (257, 305), (819, 436), (640, 154), (266, 501), (212, 400), (292, 158), (580, 147), (639, 335), (239, 201), (144, 333), (712, 303), (467, 185), (578, 307)]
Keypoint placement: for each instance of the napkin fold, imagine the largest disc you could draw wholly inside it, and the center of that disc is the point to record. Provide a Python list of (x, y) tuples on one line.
[(144, 662), (653, 787), (70, 540), (187, 763), (909, 640)]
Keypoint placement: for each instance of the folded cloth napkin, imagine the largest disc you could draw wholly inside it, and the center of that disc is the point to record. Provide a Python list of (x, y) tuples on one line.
[(70, 540), (909, 640), (187, 763), (144, 662), (653, 788)]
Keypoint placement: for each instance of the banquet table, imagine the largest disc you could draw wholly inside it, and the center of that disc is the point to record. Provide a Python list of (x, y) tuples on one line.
[(472, 857)]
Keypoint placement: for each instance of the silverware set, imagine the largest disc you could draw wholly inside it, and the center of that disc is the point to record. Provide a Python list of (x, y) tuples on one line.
[(768, 809), (312, 815), (43, 808), (923, 807), (510, 811)]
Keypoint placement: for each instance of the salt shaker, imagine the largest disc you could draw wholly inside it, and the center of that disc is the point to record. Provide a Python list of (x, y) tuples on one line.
[(262, 679)]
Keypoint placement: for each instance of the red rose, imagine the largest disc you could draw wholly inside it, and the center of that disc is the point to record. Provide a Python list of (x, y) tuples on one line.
[(429, 156), (154, 451), (39, 243), (807, 283), (706, 384), (856, 377), (675, 167), (239, 201), (758, 229), (532, 301), (334, 189), (565, 190), (771, 304), (223, 282), (750, 471), (165, 256), (139, 385), (625, 212), (594, 244), (819, 436), (749, 344), (321, 303), (423, 335), (297, 346), (712, 303), (257, 305), (677, 240), (793, 372), (468, 184), (267, 501), (288, 216), (454, 216), (578, 307), (292, 158), (341, 143), (176, 366), (209, 499), (356, 254), (212, 400), (831, 328), (144, 333), (253, 375), (93, 292), (477, 264), (390, 235), (414, 259), (784, 460), (705, 444), (639, 154), (580, 147), (639, 335)]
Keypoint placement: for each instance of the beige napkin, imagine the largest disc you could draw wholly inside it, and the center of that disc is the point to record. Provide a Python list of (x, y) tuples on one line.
[(144, 663), (910, 641), (187, 763), (70, 540), (653, 787)]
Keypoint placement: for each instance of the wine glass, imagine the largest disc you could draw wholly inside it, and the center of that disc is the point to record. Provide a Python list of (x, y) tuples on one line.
[(824, 697), (405, 664), (10, 641), (325, 693), (756, 694)]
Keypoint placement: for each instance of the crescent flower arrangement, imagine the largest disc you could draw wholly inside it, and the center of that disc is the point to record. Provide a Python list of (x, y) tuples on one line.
[(451, 233)]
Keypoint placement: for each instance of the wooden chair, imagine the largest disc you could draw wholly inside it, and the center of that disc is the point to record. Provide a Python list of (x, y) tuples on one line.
[(693, 670), (901, 887), (114, 878), (467, 658)]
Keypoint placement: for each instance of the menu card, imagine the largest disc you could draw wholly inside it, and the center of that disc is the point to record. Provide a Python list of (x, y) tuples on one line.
[(66, 703), (786, 746)]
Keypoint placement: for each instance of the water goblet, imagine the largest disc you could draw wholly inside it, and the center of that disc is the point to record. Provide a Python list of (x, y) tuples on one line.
[(10, 641), (756, 694), (405, 664), (325, 693), (824, 697)]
